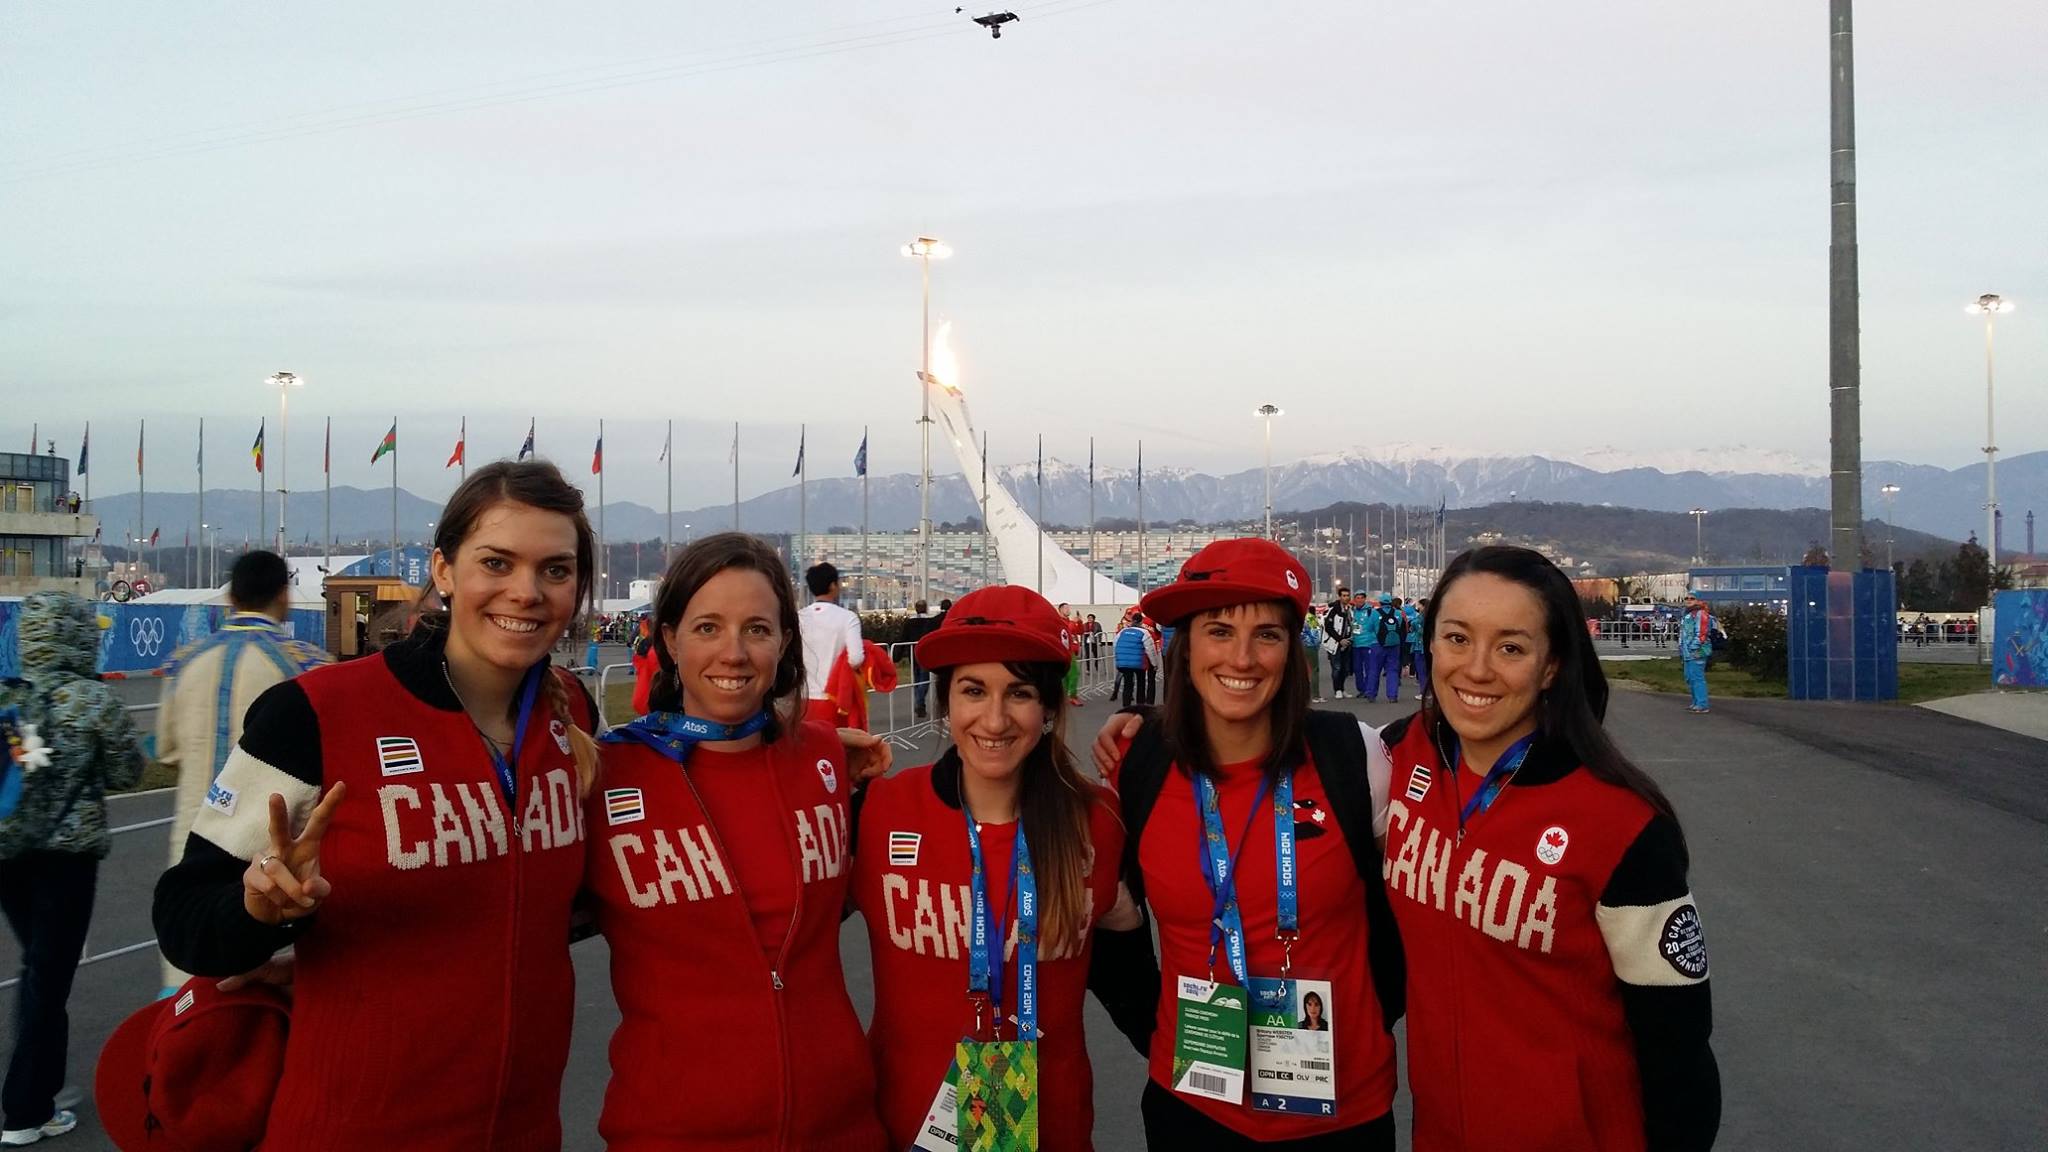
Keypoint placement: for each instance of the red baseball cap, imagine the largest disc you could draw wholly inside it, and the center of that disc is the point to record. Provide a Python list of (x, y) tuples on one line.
[(196, 1071), (1228, 573), (998, 625)]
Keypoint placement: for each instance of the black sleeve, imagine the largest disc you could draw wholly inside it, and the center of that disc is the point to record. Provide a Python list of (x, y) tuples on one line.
[(1653, 935), (200, 923), (1123, 972)]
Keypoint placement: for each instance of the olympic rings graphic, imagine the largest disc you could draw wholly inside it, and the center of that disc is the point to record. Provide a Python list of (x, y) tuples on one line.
[(147, 635)]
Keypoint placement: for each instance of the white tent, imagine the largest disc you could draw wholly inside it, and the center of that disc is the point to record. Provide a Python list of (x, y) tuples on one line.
[(306, 579)]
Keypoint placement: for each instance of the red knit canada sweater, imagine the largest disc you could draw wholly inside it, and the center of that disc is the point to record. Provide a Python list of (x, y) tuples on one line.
[(1557, 991), (719, 888), (433, 993), (912, 874)]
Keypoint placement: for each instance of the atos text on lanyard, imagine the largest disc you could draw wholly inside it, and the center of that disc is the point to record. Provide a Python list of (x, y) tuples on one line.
[(1219, 867)]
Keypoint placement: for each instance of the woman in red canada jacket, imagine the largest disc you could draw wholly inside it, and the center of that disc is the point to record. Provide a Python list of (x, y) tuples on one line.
[(428, 894), (1251, 828), (1007, 800), (1558, 994), (720, 862)]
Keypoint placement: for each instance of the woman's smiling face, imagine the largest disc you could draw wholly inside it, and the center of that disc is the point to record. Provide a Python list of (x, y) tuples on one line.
[(727, 646)]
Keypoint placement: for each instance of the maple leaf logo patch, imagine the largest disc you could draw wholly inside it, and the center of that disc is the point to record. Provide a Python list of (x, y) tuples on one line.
[(1309, 819), (1551, 845)]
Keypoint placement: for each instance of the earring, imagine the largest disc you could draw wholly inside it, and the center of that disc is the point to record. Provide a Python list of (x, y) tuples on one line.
[(1046, 729)]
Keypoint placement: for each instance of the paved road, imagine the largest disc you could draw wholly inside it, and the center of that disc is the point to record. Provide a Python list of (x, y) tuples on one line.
[(1870, 878)]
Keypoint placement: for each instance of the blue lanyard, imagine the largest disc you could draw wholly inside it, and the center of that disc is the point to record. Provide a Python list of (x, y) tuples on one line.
[(984, 972), (1496, 779), (506, 765), (1219, 868), (673, 734)]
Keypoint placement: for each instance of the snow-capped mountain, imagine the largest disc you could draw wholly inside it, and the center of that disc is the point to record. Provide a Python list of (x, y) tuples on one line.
[(1945, 502)]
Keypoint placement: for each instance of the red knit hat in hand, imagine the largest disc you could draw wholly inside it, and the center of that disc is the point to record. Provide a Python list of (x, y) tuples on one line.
[(996, 626), (194, 1072), (1228, 573)]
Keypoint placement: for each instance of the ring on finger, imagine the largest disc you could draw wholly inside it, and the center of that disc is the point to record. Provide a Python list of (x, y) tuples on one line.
[(264, 864)]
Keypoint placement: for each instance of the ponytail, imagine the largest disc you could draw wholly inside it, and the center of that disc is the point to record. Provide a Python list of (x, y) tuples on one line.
[(581, 744)]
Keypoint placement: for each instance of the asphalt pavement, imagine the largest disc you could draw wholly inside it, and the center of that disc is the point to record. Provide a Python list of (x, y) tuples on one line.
[(1870, 877)]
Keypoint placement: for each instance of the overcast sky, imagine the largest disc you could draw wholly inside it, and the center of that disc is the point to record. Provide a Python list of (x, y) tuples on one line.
[(1494, 225)]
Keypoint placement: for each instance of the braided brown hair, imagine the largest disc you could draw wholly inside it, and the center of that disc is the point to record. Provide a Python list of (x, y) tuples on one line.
[(582, 745)]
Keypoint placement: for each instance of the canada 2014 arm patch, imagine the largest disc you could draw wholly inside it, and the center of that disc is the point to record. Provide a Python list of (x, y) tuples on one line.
[(1655, 944)]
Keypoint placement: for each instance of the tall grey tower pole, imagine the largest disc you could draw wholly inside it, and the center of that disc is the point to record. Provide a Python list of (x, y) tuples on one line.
[(1845, 434)]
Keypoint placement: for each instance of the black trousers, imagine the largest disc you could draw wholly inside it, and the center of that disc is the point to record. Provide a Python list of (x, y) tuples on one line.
[(1129, 685), (1173, 1123), (1340, 668), (1151, 686), (47, 897)]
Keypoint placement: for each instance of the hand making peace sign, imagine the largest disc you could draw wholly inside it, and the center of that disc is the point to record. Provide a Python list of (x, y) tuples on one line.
[(285, 882)]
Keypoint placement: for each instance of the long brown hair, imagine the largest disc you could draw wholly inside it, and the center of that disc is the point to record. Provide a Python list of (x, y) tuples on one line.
[(692, 568), (1182, 724), (536, 484), (1054, 809)]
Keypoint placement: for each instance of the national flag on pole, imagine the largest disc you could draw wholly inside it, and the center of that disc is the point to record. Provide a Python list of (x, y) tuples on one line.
[(153, 534), (327, 450), (388, 444), (141, 430), (1041, 461), (84, 446), (256, 449), (798, 470), (664, 446), (734, 456), (597, 456), (199, 460), (455, 457), (1439, 511), (860, 458), (526, 449), (35, 432), (1091, 463)]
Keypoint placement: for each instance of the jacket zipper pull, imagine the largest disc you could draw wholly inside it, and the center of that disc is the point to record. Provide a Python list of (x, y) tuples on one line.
[(776, 978)]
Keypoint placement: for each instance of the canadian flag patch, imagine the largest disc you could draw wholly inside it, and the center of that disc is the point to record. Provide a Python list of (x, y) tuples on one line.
[(1551, 845)]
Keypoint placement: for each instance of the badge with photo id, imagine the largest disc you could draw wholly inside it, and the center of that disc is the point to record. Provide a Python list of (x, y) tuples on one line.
[(1209, 1040), (1293, 1051)]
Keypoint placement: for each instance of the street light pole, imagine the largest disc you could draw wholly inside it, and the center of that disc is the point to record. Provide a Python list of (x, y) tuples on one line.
[(1699, 548), (1268, 411), (925, 249), (285, 382), (1990, 304), (1888, 491)]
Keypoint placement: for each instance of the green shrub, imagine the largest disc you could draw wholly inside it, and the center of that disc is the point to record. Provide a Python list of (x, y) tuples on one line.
[(884, 628), (1756, 641)]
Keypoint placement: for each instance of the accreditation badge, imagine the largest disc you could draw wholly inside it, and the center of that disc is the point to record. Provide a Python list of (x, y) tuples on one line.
[(940, 1131), (995, 1105), (1209, 1040), (1293, 1047)]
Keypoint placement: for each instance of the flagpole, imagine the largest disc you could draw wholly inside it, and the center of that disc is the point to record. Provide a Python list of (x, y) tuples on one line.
[(803, 493), (202, 481), (141, 495), (1141, 517), (327, 519), (604, 567), (394, 495), (867, 573), (735, 475), (1040, 586), (462, 464), (262, 482), (1351, 548), (1091, 520), (668, 532), (984, 509), (86, 470)]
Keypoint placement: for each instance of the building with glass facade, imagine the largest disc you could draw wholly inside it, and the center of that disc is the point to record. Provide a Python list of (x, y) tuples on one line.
[(42, 531)]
